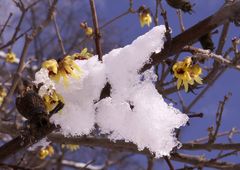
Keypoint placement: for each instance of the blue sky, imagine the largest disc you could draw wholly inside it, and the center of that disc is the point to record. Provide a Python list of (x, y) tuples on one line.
[(126, 29)]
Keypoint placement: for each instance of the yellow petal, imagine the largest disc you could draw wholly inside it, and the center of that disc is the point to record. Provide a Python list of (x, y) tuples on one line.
[(56, 77), (185, 83), (179, 83), (1, 100), (10, 57), (88, 31), (198, 80), (75, 66), (82, 55), (145, 19), (175, 67), (71, 147), (50, 150), (187, 76), (51, 65), (142, 23), (191, 81), (51, 100), (196, 70), (3, 92), (75, 75), (65, 80), (187, 61), (84, 51), (43, 153)]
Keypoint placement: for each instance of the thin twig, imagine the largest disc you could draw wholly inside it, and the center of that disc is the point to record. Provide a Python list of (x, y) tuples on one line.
[(224, 155), (164, 15), (96, 30), (222, 39), (60, 41), (156, 13), (9, 166), (200, 53), (230, 133), (179, 14), (200, 115), (164, 75), (4, 26), (169, 163), (203, 162), (181, 101), (150, 163), (114, 19), (218, 118), (200, 95)]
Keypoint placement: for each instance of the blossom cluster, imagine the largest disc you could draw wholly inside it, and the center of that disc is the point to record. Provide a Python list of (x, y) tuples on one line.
[(10, 57), (144, 16), (46, 151), (186, 73)]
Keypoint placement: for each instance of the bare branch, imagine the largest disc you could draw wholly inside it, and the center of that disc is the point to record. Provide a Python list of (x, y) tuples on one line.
[(58, 32), (96, 30), (4, 26), (200, 53)]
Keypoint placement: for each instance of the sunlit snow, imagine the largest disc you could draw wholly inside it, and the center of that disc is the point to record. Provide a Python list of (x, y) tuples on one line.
[(134, 112)]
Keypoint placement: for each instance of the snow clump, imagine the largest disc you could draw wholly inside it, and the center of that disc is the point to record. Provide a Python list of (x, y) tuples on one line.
[(134, 112)]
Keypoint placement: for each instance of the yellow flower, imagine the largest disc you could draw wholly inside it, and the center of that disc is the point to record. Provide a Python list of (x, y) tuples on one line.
[(89, 31), (52, 66), (195, 71), (181, 73), (186, 73), (43, 153), (10, 57), (71, 147), (144, 16), (187, 61), (50, 150), (145, 19), (51, 100), (68, 67), (3, 94), (64, 68), (47, 151), (84, 54)]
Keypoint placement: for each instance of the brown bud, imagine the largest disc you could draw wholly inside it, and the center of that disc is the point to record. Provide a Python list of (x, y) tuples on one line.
[(184, 5)]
